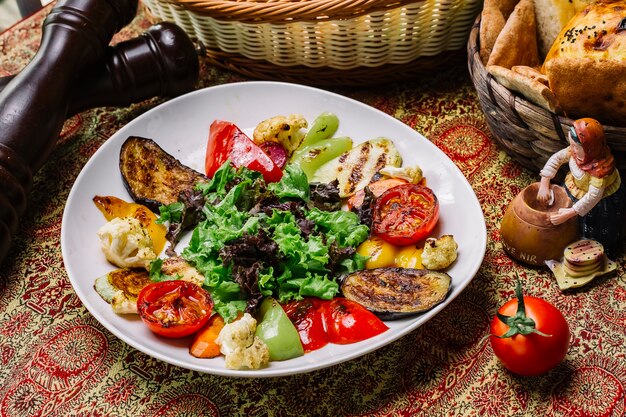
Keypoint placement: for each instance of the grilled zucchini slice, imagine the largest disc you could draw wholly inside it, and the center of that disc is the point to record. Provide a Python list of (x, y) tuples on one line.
[(355, 168), (121, 287)]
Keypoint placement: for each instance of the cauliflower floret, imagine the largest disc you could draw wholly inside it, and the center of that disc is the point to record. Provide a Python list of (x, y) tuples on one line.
[(239, 345), (439, 253), (253, 357), (126, 243), (411, 174), (284, 130)]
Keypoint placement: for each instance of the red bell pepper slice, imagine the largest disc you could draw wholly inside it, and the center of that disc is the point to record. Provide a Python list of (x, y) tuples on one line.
[(307, 316), (339, 321), (349, 322), (227, 141)]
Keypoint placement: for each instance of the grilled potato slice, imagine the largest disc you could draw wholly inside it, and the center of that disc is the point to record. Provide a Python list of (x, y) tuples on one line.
[(152, 176), (355, 168), (394, 293)]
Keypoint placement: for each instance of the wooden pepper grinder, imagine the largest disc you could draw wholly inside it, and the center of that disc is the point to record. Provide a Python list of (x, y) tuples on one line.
[(34, 105), (160, 62)]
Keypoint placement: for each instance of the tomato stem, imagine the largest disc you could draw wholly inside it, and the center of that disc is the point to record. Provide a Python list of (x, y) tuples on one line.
[(520, 323)]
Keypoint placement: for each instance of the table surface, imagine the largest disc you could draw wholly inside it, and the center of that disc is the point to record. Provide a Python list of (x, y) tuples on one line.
[(57, 360)]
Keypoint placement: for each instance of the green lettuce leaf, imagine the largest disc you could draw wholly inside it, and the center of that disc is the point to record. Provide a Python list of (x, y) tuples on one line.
[(157, 275), (343, 226), (293, 184), (172, 213)]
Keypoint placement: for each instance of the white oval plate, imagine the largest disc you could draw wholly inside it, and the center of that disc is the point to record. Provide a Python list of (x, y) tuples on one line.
[(181, 127)]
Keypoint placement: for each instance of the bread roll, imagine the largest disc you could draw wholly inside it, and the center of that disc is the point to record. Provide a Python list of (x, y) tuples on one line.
[(586, 66), (552, 16)]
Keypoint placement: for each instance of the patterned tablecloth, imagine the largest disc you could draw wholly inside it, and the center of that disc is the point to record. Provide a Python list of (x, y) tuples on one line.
[(57, 360)]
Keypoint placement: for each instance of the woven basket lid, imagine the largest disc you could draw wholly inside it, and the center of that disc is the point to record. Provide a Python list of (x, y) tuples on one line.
[(273, 11)]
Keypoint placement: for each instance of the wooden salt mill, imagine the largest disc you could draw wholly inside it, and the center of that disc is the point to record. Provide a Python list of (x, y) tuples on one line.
[(34, 105)]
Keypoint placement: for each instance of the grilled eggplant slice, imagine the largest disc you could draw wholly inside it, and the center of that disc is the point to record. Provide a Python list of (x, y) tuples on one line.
[(394, 293), (152, 176)]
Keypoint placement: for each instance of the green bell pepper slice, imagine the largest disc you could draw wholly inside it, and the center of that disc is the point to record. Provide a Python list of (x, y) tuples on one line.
[(314, 156), (278, 332)]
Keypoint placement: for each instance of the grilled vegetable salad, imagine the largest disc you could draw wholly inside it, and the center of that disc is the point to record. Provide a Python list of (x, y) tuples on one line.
[(271, 241), (259, 239)]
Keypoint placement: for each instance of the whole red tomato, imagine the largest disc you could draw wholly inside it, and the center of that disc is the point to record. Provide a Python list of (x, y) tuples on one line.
[(533, 335), (174, 308)]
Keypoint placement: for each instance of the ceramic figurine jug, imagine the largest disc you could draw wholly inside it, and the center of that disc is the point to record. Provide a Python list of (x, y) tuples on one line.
[(526, 231)]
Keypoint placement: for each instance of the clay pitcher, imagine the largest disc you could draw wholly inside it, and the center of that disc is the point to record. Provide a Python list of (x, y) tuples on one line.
[(526, 231)]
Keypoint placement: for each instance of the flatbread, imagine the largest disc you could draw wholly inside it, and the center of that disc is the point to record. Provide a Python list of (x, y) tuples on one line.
[(590, 88), (506, 6), (530, 72), (517, 42), (587, 64), (491, 23), (530, 88)]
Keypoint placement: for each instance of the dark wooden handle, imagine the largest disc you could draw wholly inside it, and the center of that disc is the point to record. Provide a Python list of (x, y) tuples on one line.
[(34, 105)]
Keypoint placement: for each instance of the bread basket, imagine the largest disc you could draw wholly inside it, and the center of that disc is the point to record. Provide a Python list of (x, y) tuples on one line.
[(325, 42), (529, 133)]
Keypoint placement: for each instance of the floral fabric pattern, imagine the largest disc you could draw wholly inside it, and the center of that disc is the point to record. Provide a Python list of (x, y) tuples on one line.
[(57, 360)]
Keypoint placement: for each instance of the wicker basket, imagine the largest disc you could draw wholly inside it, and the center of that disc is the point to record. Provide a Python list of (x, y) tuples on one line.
[(527, 132), (326, 42)]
